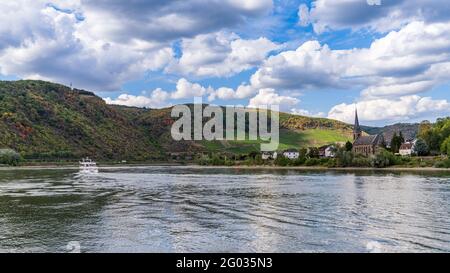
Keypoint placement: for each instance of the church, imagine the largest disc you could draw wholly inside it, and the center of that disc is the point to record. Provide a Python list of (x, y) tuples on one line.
[(366, 145)]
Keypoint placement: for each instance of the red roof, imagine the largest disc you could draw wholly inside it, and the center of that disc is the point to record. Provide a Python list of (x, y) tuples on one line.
[(406, 146)]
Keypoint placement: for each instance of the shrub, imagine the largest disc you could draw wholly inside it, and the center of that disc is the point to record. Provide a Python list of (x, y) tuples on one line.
[(443, 164), (258, 160), (229, 163), (299, 161), (312, 162), (282, 161), (332, 163), (360, 161), (344, 158), (217, 161), (384, 159), (9, 157), (324, 161), (404, 160)]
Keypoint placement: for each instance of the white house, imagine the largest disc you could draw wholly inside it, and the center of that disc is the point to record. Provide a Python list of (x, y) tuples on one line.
[(330, 152), (327, 151), (269, 155), (291, 154), (406, 149)]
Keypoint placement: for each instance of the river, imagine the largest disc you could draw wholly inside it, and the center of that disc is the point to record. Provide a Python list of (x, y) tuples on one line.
[(188, 209)]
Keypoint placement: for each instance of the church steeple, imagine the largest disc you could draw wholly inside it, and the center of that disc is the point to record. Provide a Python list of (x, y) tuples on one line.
[(356, 129)]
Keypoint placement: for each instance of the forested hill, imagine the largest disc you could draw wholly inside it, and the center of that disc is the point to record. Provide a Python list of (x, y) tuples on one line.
[(45, 120), (48, 121)]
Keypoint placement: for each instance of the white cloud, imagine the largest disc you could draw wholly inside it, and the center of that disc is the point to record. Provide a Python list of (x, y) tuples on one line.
[(401, 65), (361, 14), (405, 62), (220, 54), (101, 44), (306, 113), (48, 44), (397, 89), (243, 91), (310, 66), (162, 20), (271, 97), (405, 108), (252, 6), (186, 89), (157, 99)]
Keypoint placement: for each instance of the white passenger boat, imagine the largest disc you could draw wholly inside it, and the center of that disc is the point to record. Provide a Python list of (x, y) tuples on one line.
[(88, 166)]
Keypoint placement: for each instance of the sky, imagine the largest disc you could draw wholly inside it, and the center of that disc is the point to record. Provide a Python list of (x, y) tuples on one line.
[(322, 58)]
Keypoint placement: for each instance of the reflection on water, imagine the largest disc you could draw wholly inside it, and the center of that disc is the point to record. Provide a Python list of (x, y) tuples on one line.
[(179, 209)]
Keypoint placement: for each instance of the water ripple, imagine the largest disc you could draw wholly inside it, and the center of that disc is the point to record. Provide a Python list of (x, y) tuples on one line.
[(173, 209)]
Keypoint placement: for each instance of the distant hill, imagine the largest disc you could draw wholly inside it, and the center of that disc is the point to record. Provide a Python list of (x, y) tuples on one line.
[(409, 130), (47, 121)]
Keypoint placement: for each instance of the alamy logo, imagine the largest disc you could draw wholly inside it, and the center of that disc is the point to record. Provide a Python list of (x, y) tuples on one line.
[(374, 2), (241, 123)]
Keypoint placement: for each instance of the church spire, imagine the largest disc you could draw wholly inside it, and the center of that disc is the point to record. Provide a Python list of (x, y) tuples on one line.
[(356, 129)]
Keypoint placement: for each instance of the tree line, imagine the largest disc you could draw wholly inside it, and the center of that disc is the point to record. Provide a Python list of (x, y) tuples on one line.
[(436, 136)]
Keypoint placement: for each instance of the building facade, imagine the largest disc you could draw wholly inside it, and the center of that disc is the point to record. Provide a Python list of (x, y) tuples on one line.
[(291, 154), (366, 145), (407, 149), (269, 155), (327, 151)]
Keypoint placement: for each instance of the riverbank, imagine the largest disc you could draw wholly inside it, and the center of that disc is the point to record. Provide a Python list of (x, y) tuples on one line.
[(321, 168), (238, 167), (75, 166)]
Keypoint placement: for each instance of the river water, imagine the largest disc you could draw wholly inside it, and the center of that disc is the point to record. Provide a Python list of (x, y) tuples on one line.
[(185, 209)]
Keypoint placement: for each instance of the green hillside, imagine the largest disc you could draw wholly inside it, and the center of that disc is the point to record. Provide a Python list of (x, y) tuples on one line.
[(47, 121), (288, 139), (43, 120)]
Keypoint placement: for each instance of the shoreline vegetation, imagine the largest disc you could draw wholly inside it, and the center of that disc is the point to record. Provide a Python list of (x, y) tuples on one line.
[(355, 163), (343, 159), (73, 166)]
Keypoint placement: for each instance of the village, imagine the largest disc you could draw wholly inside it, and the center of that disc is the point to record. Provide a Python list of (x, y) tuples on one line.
[(364, 150), (365, 145)]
